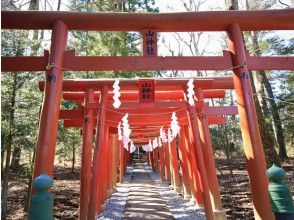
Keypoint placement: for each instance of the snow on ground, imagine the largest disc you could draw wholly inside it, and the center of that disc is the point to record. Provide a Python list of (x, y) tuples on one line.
[(115, 205), (180, 208)]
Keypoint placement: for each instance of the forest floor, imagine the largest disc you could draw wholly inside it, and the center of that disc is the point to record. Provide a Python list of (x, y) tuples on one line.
[(235, 191)]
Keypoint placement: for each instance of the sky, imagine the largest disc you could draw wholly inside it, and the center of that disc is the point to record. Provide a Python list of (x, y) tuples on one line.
[(210, 43)]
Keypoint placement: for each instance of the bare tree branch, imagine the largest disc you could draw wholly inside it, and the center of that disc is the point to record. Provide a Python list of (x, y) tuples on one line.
[(282, 3)]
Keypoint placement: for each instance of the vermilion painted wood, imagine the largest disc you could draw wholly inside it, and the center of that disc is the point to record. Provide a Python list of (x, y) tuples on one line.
[(24, 63), (103, 173), (275, 19), (140, 63), (200, 163), (73, 114), (106, 166), (171, 105), (194, 174), (209, 160), (77, 123), (116, 179), (161, 84), (143, 63), (121, 163), (174, 166), (156, 160), (133, 108), (151, 161), (161, 158), (111, 163), (220, 110), (249, 127), (184, 164), (210, 111), (98, 152), (114, 156), (134, 95), (133, 119), (166, 162), (86, 156), (165, 22), (170, 164), (44, 160), (270, 62), (141, 140)]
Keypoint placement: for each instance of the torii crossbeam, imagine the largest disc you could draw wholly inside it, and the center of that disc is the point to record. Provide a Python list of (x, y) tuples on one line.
[(237, 59)]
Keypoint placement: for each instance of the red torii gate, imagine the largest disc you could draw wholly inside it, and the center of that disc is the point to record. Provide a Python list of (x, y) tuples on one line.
[(164, 108), (237, 59)]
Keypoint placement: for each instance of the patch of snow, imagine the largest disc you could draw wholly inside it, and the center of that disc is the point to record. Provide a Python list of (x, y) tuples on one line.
[(181, 209), (115, 205)]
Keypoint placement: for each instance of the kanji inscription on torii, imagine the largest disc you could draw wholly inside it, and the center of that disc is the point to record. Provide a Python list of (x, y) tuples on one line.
[(149, 42), (146, 90)]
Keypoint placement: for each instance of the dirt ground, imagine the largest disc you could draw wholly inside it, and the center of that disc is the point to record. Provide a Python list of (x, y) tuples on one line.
[(235, 191)]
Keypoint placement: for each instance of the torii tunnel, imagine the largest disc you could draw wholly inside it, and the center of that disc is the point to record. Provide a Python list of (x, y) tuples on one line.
[(95, 109)]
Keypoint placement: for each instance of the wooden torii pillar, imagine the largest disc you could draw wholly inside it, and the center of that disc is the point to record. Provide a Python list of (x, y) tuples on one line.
[(166, 162), (162, 162), (249, 126), (194, 173), (187, 180), (86, 161), (151, 161), (197, 180), (44, 159), (156, 159), (113, 162), (222, 21), (174, 166), (100, 141), (200, 163), (121, 163), (219, 212)]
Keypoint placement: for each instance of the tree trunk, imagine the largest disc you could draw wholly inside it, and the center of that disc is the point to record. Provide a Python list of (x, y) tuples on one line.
[(15, 159), (228, 156), (264, 107), (34, 5), (223, 141), (4, 192), (274, 109), (227, 150), (2, 155), (267, 139), (27, 200), (277, 121), (73, 158), (232, 4), (58, 5)]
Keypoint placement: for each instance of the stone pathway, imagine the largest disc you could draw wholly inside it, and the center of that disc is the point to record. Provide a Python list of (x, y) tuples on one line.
[(144, 201), (143, 195)]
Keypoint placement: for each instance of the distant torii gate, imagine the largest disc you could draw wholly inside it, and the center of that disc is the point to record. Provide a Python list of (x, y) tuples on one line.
[(237, 59), (155, 114)]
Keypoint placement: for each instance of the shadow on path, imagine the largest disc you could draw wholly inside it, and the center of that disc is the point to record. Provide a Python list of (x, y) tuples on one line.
[(144, 201)]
